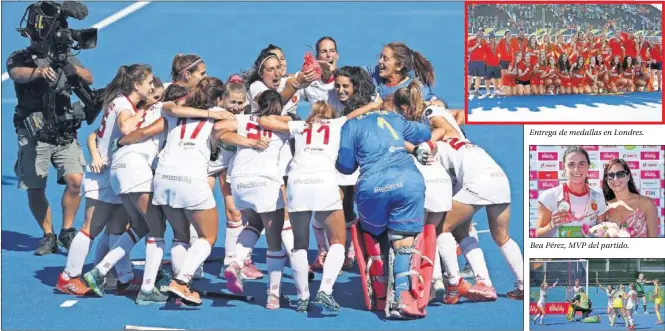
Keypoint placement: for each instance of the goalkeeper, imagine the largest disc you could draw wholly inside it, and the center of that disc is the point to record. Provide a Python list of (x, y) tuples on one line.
[(581, 303)]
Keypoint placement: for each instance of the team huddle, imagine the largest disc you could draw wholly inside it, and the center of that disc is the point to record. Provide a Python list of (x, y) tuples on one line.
[(377, 141), (583, 63)]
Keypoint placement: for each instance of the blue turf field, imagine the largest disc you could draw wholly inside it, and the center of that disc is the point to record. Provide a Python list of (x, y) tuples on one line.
[(229, 36), (599, 304)]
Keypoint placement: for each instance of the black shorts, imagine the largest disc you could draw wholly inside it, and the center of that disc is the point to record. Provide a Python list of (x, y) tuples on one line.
[(492, 72), (504, 64), (657, 66), (477, 68), (640, 294), (523, 82)]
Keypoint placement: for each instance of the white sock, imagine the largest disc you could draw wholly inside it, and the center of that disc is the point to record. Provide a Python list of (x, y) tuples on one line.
[(513, 255), (154, 252), (196, 255), (320, 235), (438, 273), (246, 241), (233, 230), (178, 253), (120, 249), (300, 269), (275, 262), (447, 246), (476, 259), (331, 268), (76, 255), (102, 248), (541, 318), (287, 240)]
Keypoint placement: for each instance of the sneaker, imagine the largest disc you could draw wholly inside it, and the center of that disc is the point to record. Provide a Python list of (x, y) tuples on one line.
[(250, 271), (132, 286), (111, 282), (95, 281), (453, 292), (185, 293), (47, 245), (302, 306), (163, 280), (233, 277), (66, 236), (482, 292), (73, 286), (272, 302), (467, 272), (148, 298), (198, 274), (326, 302), (516, 294), (348, 263), (320, 259)]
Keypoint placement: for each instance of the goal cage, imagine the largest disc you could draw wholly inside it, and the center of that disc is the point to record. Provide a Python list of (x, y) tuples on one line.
[(564, 272)]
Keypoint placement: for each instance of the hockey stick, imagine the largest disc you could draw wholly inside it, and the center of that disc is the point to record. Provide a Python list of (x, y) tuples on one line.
[(226, 295)]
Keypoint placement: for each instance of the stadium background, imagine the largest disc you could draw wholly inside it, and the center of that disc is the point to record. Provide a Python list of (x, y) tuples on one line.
[(608, 272), (646, 163), (229, 36)]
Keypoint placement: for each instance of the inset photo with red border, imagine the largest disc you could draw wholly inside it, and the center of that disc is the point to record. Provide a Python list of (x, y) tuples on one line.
[(563, 63)]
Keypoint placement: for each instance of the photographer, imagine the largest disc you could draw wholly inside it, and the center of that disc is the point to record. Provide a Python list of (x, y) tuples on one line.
[(35, 81)]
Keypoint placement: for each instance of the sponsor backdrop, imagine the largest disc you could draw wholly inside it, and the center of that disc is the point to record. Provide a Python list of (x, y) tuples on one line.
[(646, 164)]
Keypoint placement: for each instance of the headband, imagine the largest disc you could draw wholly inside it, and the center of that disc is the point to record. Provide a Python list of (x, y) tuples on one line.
[(190, 66)]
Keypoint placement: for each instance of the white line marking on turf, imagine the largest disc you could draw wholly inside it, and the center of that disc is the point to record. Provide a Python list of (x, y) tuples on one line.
[(68, 303), (136, 327), (483, 231), (107, 21)]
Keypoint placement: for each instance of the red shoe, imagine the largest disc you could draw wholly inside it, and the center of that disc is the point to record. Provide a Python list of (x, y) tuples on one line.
[(74, 286), (482, 292), (453, 292), (250, 271), (320, 259)]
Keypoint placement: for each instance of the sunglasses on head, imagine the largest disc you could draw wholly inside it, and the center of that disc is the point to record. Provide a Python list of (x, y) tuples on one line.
[(618, 174)]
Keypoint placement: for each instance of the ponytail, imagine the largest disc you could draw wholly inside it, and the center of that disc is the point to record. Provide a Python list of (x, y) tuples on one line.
[(424, 69), (124, 81), (411, 97), (413, 60), (206, 93), (270, 103)]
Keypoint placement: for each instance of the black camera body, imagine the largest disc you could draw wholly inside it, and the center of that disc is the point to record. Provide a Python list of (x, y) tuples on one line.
[(51, 39)]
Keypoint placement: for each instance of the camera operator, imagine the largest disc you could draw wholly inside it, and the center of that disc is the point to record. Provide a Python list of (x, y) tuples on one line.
[(34, 79)]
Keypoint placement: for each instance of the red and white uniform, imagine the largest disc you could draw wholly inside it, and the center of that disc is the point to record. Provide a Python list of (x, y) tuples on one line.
[(629, 73), (132, 166), (509, 80), (537, 72), (564, 76), (290, 107), (438, 186), (479, 180), (551, 73), (313, 184), (181, 177), (256, 179), (584, 208), (98, 185), (614, 73), (577, 76), (639, 71)]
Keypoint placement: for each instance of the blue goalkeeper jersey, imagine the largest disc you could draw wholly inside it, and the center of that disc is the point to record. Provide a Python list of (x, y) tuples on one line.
[(375, 142)]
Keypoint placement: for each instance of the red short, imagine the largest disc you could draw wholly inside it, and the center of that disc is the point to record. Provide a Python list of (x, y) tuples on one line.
[(576, 82), (509, 80), (535, 80), (565, 81)]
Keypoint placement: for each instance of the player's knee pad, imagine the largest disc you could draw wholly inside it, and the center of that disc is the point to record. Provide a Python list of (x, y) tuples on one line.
[(372, 265)]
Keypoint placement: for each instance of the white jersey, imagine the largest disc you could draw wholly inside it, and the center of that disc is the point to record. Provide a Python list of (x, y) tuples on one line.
[(247, 162), (258, 87), (318, 91), (149, 147), (632, 299), (585, 209), (316, 147), (610, 296), (543, 296), (187, 149), (452, 155), (108, 130)]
